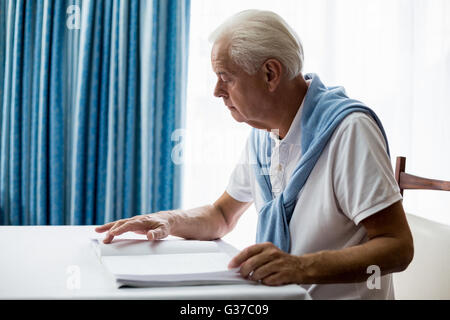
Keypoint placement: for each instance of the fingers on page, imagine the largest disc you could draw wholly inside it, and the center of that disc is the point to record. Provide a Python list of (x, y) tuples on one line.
[(104, 227), (125, 227), (108, 238)]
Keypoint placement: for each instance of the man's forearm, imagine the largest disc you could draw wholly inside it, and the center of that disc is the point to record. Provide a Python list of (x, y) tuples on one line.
[(202, 223), (350, 264)]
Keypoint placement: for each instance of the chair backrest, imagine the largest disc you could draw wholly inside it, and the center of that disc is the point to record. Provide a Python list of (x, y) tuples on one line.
[(409, 181), (428, 275)]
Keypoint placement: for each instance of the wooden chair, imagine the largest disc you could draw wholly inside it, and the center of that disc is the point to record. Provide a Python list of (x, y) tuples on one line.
[(428, 275), (408, 181)]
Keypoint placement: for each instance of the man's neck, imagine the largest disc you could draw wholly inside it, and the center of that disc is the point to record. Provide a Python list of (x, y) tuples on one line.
[(289, 104)]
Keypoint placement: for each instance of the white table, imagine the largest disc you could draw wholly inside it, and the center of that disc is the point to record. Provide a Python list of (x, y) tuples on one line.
[(40, 262)]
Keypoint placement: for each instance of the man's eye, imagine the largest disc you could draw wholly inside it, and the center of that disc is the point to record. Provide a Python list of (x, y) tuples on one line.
[(224, 79)]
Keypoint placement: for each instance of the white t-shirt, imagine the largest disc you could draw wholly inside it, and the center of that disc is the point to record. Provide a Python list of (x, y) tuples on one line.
[(352, 180)]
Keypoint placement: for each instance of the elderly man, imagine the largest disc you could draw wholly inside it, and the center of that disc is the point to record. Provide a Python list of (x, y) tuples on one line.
[(316, 166)]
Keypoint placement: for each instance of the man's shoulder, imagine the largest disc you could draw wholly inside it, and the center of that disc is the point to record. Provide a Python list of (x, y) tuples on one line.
[(358, 132), (358, 121), (358, 117)]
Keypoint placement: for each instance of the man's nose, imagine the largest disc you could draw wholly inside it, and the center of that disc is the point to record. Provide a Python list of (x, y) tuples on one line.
[(219, 92)]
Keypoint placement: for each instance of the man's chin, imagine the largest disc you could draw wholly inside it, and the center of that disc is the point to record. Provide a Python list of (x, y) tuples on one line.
[(236, 116), (239, 118), (250, 123)]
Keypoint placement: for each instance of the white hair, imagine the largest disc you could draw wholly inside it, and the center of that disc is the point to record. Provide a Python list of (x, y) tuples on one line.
[(256, 36)]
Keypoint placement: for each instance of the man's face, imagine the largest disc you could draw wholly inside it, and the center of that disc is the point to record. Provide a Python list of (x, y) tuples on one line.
[(242, 93)]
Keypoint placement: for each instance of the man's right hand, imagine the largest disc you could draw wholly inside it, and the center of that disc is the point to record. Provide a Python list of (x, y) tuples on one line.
[(155, 226)]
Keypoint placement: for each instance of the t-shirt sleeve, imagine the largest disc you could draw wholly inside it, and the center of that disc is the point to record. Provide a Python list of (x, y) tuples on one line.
[(364, 182), (239, 185)]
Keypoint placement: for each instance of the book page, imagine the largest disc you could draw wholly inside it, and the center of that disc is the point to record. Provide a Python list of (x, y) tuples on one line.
[(167, 264), (135, 247)]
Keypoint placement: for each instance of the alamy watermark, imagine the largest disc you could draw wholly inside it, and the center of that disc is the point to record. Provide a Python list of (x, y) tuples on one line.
[(73, 21), (73, 280), (214, 148), (374, 280)]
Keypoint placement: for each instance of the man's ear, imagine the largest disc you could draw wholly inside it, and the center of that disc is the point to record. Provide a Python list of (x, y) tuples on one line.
[(273, 70)]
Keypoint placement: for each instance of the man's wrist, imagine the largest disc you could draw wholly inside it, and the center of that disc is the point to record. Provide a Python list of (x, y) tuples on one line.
[(306, 265), (172, 219)]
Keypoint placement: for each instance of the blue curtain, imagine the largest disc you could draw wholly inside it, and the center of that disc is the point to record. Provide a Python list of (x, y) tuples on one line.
[(90, 94)]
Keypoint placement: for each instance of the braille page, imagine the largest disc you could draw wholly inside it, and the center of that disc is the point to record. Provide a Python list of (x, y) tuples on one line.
[(132, 247)]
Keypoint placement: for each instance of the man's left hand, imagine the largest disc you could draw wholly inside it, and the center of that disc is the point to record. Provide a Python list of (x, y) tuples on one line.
[(265, 262)]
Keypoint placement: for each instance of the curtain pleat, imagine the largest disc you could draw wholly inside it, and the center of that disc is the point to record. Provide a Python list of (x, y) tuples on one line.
[(148, 60), (80, 116), (3, 19), (56, 117), (132, 170), (166, 120), (103, 115), (87, 114), (26, 111), (34, 113), (43, 174), (4, 156), (15, 116), (112, 116)]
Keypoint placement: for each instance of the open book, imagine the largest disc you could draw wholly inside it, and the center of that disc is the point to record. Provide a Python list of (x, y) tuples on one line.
[(143, 263)]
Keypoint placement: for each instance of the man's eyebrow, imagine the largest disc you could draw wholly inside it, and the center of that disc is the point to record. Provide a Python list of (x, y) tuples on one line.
[(219, 73)]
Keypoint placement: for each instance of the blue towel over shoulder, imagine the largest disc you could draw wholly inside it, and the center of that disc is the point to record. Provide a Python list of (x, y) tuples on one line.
[(323, 110)]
